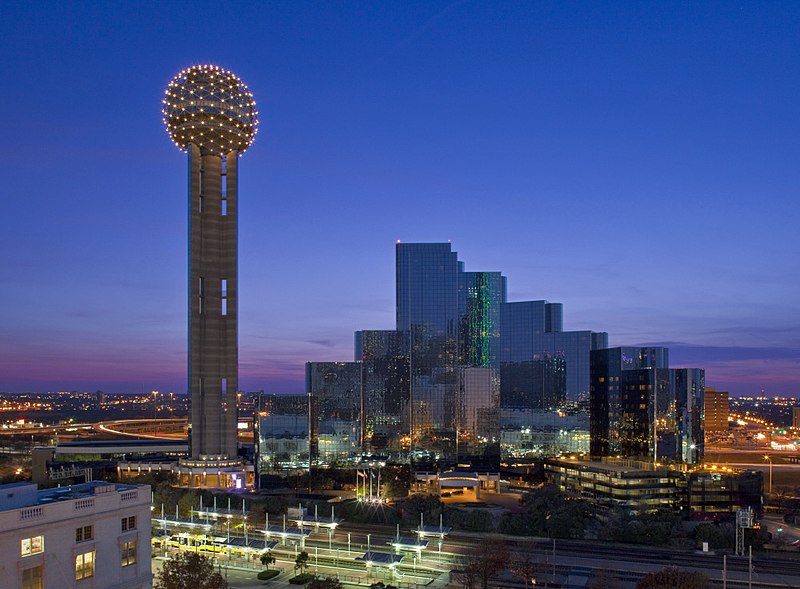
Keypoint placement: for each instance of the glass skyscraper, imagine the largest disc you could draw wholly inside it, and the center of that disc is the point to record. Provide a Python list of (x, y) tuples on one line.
[(642, 409), (478, 412), (334, 390), (689, 386), (482, 296), (427, 309), (466, 374), (386, 392), (281, 433)]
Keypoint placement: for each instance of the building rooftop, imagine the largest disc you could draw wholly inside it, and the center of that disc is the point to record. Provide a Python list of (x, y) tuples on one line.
[(620, 467), (17, 495)]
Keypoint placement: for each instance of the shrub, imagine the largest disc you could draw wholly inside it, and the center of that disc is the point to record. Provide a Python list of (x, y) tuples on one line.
[(266, 575)]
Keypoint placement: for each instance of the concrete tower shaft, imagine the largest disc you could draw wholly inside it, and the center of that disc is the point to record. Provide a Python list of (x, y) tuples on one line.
[(213, 347)]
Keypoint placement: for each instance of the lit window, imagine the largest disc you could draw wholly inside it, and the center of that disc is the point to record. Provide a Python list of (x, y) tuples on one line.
[(83, 534), (33, 545), (128, 553), (33, 578), (128, 523), (84, 565)]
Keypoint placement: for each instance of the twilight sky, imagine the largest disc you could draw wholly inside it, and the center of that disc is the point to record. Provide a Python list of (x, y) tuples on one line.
[(637, 162)]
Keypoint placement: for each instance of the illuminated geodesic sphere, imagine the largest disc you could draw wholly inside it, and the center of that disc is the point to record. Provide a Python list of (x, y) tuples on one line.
[(212, 108)]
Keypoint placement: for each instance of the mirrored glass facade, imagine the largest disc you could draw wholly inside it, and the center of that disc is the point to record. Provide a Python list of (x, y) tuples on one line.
[(689, 386), (481, 299), (281, 433), (334, 390), (465, 373), (478, 417), (386, 402), (427, 308), (642, 409)]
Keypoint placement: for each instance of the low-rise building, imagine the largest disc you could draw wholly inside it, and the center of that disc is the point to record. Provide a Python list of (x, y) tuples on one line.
[(702, 491), (94, 535), (714, 490), (634, 485)]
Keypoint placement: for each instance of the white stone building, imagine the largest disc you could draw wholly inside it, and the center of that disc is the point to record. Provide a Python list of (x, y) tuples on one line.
[(90, 536)]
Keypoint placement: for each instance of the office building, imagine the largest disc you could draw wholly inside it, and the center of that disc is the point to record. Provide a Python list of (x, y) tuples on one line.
[(281, 432), (418, 394), (689, 384), (538, 384), (635, 486), (478, 413), (210, 115), (627, 384), (482, 296), (574, 347), (95, 535), (715, 409), (334, 390), (386, 402), (427, 308), (641, 486), (712, 490), (640, 408)]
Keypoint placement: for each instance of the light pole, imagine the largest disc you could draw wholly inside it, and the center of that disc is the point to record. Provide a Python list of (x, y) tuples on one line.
[(770, 473), (155, 409)]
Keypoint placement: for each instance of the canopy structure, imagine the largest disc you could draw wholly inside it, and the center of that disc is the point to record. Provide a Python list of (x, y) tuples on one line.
[(409, 544), (381, 559), (318, 521), (283, 532), (439, 531), (251, 544), (166, 523)]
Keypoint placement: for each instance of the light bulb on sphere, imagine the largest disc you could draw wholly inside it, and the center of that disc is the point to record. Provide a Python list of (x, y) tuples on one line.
[(212, 108)]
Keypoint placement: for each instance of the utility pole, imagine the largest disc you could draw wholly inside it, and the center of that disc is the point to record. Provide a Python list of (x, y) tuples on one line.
[(724, 571)]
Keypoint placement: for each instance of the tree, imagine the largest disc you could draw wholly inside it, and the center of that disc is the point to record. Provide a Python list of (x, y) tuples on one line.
[(267, 559), (722, 535), (189, 570), (524, 567), (674, 578), (188, 501), (380, 585), (301, 562), (547, 513), (397, 480), (327, 583), (482, 565), (430, 507)]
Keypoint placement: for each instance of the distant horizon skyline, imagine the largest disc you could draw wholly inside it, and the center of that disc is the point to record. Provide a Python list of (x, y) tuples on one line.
[(295, 386), (635, 162)]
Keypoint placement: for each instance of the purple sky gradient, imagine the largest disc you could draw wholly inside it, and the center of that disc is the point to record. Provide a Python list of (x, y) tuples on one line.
[(637, 162)]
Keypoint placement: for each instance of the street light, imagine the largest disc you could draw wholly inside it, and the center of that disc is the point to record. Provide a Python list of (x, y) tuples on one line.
[(770, 473), (155, 409)]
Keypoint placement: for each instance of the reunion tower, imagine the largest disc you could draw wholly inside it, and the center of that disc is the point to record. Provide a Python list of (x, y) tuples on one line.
[(210, 114)]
